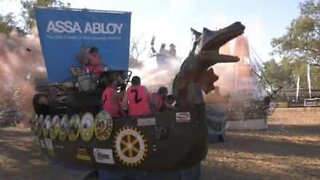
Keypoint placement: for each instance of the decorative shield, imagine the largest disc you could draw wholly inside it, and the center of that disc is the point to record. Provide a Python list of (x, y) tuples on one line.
[(87, 127), (103, 125), (55, 125), (39, 125), (63, 127), (34, 123), (46, 126), (74, 127)]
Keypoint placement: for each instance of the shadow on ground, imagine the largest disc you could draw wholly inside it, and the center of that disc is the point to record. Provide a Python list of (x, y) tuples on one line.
[(280, 152)]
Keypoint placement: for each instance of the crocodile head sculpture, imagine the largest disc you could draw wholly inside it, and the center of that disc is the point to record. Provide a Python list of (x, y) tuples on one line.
[(195, 73)]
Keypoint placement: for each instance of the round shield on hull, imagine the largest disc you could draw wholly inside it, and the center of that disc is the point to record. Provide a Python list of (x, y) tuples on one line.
[(62, 134), (39, 125), (103, 126), (46, 126), (74, 127), (55, 125), (87, 127), (34, 123)]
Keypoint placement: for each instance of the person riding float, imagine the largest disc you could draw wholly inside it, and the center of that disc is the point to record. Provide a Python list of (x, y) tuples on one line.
[(137, 98), (111, 99)]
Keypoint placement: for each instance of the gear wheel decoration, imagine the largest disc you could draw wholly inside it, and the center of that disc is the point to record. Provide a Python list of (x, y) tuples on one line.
[(39, 125), (62, 134), (55, 125), (87, 126), (74, 127), (130, 146), (103, 126), (46, 126)]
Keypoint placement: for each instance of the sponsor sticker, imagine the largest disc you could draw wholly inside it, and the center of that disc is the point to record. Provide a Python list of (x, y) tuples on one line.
[(183, 117), (146, 122), (103, 155), (82, 154), (58, 147)]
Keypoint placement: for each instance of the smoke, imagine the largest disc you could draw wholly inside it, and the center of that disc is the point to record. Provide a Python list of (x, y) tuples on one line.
[(242, 48), (237, 79), (21, 64), (153, 76)]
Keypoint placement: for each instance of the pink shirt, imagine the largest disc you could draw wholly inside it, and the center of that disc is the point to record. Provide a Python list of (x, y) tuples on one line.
[(107, 102), (95, 65), (138, 101), (158, 101)]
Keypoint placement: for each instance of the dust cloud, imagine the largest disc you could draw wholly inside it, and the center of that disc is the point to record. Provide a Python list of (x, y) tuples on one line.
[(21, 65)]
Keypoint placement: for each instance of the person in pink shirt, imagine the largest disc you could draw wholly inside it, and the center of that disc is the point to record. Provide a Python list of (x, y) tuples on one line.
[(160, 99), (137, 98), (111, 100), (93, 62)]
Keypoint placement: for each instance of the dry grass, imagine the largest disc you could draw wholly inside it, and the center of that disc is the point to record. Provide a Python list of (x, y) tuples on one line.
[(286, 150)]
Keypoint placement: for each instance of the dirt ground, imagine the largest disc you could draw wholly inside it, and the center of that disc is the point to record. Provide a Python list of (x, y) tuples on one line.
[(286, 150)]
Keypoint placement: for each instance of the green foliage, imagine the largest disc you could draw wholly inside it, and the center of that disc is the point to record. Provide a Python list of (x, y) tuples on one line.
[(302, 40), (8, 23), (279, 74), (298, 47)]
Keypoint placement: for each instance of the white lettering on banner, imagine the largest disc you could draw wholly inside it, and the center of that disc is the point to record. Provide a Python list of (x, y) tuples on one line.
[(63, 27), (103, 155), (118, 28), (101, 28), (96, 28), (89, 28)]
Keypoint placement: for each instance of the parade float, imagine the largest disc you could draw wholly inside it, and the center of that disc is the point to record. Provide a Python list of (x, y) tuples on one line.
[(76, 130)]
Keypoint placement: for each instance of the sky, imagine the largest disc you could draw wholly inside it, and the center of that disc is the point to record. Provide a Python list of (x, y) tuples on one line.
[(170, 20)]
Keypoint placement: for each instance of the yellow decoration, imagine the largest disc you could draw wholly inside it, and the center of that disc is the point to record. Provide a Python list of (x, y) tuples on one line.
[(63, 128), (87, 126), (74, 127), (103, 126)]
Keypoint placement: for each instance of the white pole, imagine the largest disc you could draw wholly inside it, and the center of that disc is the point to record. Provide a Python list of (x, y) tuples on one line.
[(309, 80), (298, 87)]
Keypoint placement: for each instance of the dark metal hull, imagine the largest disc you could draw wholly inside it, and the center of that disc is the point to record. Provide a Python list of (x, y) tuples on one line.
[(169, 142)]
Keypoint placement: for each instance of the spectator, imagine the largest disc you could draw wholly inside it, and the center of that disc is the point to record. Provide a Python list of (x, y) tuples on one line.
[(173, 51)]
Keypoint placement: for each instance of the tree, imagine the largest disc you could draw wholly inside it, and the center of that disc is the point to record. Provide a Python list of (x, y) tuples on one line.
[(8, 22), (278, 74), (300, 46), (302, 40), (135, 51)]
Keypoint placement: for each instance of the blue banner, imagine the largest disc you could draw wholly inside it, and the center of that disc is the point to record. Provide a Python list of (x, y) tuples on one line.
[(67, 37)]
